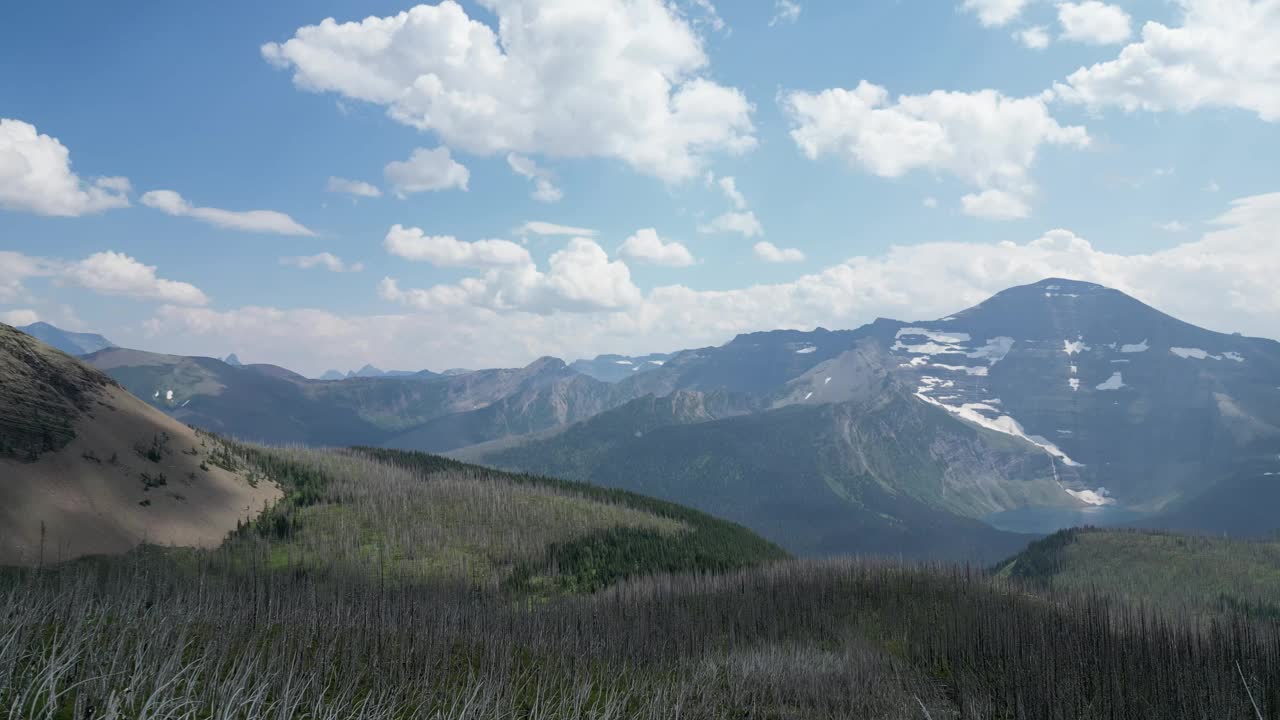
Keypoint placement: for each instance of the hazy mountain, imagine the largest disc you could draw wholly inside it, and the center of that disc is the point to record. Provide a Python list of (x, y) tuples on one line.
[(87, 468), (612, 368), (72, 343), (232, 360), (1092, 406), (1147, 408)]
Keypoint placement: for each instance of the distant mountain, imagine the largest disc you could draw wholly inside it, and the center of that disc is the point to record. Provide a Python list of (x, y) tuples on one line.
[(266, 403), (87, 468), (232, 360), (72, 343), (612, 368), (332, 375)]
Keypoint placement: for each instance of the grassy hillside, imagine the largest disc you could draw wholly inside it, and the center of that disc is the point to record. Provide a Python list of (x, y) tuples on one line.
[(1197, 573), (420, 518)]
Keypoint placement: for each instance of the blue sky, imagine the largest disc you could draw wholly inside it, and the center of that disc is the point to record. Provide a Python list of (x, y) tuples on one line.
[(1165, 191)]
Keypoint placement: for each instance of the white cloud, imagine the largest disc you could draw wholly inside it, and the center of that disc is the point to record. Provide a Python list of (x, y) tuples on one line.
[(447, 251), (425, 171), (545, 189), (113, 273), (267, 221), (1225, 280), (36, 176), (930, 202), (328, 261), (1173, 226), (353, 187), (20, 317), (982, 138), (995, 205), (646, 247), (729, 187), (710, 16), (1223, 55), (1212, 186), (623, 79), (16, 268), (1094, 22), (769, 252), (538, 227), (785, 11), (581, 278), (995, 12), (1035, 38), (743, 223)]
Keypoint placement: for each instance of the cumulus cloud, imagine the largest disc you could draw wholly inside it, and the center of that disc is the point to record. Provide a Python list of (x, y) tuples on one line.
[(785, 11), (994, 13), (743, 223), (447, 251), (325, 260), (353, 187), (425, 171), (646, 247), (622, 79), (19, 317), (995, 205), (580, 278), (36, 176), (1093, 22), (1224, 280), (16, 268), (539, 227), (113, 273), (729, 187), (982, 138), (769, 252), (1223, 55), (1034, 38), (265, 221), (544, 188)]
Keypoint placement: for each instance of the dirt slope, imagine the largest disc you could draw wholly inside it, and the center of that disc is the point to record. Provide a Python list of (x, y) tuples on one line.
[(86, 468)]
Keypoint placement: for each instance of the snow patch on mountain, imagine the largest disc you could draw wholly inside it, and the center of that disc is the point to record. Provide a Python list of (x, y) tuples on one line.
[(980, 371), (1074, 383), (1115, 382), (806, 350), (994, 351), (973, 412), (1136, 348), (1092, 497), (1074, 347)]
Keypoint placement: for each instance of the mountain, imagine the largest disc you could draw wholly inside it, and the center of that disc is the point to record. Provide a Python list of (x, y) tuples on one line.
[(878, 472), (331, 375), (1149, 410), (87, 468), (421, 411), (72, 343), (1092, 406), (612, 368), (233, 360)]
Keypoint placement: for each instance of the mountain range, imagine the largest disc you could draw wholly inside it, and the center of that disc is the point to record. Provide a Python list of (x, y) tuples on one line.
[(71, 343), (1050, 404)]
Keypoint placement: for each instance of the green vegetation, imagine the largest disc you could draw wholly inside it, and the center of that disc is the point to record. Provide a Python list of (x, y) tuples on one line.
[(1191, 573), (393, 586)]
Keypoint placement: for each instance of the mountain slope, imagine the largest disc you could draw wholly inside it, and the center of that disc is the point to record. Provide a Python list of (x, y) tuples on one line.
[(612, 368), (1200, 573), (883, 474), (71, 343), (1147, 408), (87, 468)]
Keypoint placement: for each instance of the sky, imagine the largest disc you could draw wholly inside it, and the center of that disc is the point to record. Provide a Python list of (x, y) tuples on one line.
[(326, 184)]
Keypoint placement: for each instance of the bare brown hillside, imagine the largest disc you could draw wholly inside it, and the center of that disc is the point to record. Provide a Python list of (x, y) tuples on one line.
[(86, 468)]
